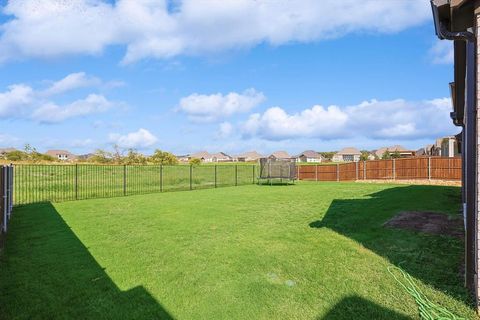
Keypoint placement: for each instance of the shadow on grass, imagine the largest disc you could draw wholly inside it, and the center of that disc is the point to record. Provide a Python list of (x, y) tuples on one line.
[(436, 260), (47, 273), (355, 307)]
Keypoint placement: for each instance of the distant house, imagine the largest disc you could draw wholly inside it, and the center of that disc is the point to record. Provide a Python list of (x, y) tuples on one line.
[(280, 155), (221, 157), (309, 156), (348, 154), (183, 158), (425, 151), (449, 147), (4, 151), (62, 155), (404, 153), (205, 156), (247, 156)]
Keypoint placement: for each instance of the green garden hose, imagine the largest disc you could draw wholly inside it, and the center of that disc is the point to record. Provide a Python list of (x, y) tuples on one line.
[(427, 309)]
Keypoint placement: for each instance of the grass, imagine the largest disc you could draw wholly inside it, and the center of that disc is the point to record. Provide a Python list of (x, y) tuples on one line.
[(305, 251), (38, 182)]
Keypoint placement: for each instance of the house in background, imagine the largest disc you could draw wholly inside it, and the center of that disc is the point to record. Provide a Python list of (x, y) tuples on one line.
[(183, 158), (247, 156), (280, 155), (425, 151), (207, 157), (404, 153), (204, 156), (309, 156), (62, 155), (349, 154), (221, 157), (449, 147)]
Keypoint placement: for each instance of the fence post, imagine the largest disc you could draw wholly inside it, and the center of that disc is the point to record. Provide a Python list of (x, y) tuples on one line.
[(3, 171), (356, 171), (124, 179), (161, 178), (215, 174), (10, 170), (253, 174), (364, 170), (393, 169), (429, 168), (76, 181), (236, 175), (316, 172), (191, 173), (338, 172), (298, 172)]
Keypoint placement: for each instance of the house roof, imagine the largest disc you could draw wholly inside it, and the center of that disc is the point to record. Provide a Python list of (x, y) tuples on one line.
[(249, 154), (220, 155), (280, 155), (201, 154), (379, 153), (349, 150), (57, 152), (310, 154)]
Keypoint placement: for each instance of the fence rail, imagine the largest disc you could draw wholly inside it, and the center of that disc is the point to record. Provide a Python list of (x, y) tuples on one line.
[(6, 196), (38, 183), (432, 168)]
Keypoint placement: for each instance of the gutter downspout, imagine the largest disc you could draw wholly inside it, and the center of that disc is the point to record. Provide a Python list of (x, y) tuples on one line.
[(469, 156)]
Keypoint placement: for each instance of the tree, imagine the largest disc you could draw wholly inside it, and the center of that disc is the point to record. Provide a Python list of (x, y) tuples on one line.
[(163, 158), (101, 156), (396, 155), (195, 161), (16, 155), (134, 157), (117, 154), (364, 155), (386, 155), (328, 155)]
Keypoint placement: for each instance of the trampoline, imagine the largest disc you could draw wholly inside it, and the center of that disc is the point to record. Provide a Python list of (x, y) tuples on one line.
[(282, 171)]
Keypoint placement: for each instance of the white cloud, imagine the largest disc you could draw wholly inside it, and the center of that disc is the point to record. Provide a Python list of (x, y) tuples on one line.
[(139, 139), (45, 28), (442, 52), (51, 113), (200, 107), (15, 100), (24, 102), (224, 130), (71, 82), (392, 119), (276, 124)]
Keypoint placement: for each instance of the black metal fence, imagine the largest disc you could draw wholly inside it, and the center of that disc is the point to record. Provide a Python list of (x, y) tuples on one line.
[(39, 183), (6, 196)]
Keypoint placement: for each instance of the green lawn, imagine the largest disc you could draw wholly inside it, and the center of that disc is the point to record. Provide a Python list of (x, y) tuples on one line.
[(305, 251)]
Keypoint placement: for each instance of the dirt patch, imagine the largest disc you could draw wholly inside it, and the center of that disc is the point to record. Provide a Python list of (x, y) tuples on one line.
[(427, 222)]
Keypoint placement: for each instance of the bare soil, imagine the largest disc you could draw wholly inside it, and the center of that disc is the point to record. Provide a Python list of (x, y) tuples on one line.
[(428, 222)]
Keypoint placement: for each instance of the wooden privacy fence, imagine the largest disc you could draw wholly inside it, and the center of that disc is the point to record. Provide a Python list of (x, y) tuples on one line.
[(6, 196), (431, 168)]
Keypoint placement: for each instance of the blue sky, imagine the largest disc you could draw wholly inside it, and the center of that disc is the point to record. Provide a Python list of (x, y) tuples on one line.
[(222, 76)]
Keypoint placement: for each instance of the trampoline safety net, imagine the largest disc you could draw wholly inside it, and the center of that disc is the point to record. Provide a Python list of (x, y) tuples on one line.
[(284, 169)]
